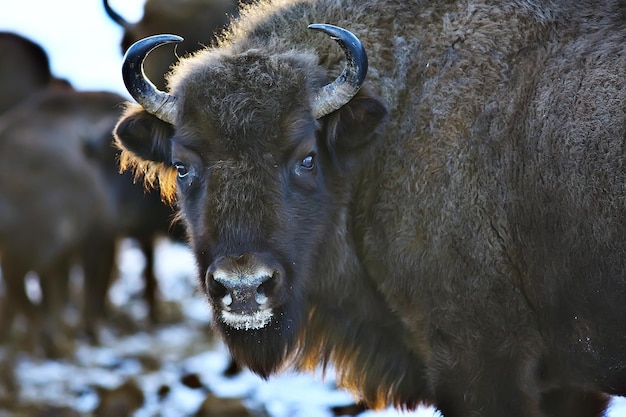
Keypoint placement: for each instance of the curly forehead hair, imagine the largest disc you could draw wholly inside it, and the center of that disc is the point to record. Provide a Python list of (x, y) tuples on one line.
[(246, 90)]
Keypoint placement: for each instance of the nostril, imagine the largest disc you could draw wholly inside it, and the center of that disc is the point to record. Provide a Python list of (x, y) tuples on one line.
[(218, 291), (243, 284), (214, 287), (269, 286)]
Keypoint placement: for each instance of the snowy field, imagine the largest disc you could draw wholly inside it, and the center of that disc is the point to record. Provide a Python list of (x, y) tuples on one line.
[(179, 349)]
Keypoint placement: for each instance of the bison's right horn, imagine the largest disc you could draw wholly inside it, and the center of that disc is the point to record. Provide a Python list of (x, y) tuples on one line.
[(115, 16), (335, 95), (153, 100)]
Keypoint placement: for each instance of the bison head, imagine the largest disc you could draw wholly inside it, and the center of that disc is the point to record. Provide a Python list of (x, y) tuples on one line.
[(265, 153)]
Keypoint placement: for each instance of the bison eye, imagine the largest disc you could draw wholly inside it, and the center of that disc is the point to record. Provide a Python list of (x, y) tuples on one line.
[(305, 166), (308, 163), (182, 170)]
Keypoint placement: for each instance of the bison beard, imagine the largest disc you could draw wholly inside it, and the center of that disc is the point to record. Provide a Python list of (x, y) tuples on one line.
[(266, 349)]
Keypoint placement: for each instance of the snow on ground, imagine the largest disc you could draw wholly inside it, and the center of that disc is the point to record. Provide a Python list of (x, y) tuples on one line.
[(180, 349)]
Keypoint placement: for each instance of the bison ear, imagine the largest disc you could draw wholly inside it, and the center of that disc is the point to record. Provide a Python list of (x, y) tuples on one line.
[(144, 135), (355, 126)]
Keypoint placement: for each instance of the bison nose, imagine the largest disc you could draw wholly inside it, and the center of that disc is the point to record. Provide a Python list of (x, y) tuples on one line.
[(243, 284)]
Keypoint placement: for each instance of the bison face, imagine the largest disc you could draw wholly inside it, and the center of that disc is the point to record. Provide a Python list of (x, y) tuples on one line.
[(262, 184)]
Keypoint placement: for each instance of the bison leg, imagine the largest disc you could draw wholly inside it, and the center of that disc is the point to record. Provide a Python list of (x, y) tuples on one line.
[(98, 262), (574, 403), (54, 289), (16, 300), (151, 288)]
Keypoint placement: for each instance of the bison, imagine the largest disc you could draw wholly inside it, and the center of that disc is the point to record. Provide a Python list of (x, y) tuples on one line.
[(78, 123), (55, 208), (24, 71), (196, 20), (450, 230)]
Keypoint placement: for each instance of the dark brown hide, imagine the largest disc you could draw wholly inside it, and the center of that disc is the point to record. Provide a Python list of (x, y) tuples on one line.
[(469, 253)]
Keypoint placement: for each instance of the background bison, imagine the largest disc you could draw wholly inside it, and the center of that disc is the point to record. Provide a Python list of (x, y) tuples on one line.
[(196, 20), (468, 253), (104, 206), (55, 209), (45, 116), (25, 70)]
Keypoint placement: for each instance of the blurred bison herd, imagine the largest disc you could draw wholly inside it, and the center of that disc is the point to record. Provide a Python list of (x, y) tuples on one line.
[(63, 201)]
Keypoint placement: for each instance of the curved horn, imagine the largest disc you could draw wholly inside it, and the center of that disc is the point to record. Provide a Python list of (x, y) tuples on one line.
[(333, 96), (115, 16), (153, 100)]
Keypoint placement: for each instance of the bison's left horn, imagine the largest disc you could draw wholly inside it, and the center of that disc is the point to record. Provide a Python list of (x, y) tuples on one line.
[(333, 96), (153, 100)]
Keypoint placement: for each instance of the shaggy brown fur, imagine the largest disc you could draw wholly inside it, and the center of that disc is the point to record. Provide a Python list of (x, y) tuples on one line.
[(470, 252)]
